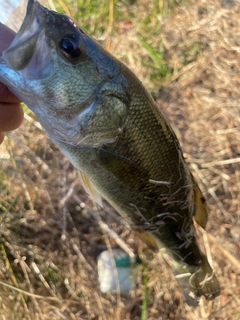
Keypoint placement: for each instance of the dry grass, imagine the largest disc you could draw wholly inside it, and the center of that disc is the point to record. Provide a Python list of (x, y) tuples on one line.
[(50, 233)]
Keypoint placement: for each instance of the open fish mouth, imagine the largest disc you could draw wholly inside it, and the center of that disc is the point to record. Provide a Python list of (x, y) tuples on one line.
[(23, 47)]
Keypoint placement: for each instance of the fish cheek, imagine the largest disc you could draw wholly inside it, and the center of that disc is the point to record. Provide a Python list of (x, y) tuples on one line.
[(106, 120), (71, 85)]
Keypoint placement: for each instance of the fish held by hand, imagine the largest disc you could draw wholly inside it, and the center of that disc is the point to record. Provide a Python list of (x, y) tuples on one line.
[(103, 119)]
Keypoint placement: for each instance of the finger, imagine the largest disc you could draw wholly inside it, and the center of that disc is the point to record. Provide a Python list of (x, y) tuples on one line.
[(6, 37), (1, 137), (7, 96), (11, 116)]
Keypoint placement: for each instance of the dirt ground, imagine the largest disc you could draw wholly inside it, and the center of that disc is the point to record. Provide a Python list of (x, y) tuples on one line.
[(50, 230)]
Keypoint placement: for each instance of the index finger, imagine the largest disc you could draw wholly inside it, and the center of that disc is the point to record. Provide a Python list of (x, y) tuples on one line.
[(6, 37)]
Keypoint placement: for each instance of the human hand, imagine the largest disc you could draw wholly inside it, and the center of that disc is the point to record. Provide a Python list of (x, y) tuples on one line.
[(11, 113)]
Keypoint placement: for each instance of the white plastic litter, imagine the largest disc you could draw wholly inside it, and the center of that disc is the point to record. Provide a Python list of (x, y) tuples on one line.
[(115, 271)]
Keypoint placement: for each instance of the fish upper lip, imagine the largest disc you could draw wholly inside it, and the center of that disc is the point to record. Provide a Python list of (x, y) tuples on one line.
[(34, 5)]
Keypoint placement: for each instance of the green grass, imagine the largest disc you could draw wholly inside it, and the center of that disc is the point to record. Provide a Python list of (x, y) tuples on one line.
[(146, 293), (191, 53), (91, 17), (157, 62)]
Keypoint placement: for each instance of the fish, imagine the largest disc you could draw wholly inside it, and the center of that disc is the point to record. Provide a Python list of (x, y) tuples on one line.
[(110, 128)]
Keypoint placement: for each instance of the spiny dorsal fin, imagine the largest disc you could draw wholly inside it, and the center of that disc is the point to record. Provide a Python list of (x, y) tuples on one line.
[(90, 189)]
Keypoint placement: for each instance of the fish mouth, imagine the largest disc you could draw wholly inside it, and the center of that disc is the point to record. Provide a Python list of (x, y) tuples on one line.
[(22, 48)]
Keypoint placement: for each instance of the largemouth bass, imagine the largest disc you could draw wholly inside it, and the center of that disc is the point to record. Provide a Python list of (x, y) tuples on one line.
[(103, 119)]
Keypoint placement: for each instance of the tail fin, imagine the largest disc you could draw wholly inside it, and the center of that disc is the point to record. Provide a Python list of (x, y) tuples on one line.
[(204, 282), (200, 281)]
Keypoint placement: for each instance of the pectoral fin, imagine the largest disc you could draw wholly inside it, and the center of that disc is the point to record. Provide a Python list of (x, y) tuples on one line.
[(123, 169)]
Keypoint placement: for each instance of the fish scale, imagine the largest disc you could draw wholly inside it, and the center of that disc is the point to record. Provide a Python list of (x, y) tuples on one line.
[(103, 119)]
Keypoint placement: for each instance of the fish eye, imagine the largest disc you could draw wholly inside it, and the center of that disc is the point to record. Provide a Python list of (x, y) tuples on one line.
[(70, 48)]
